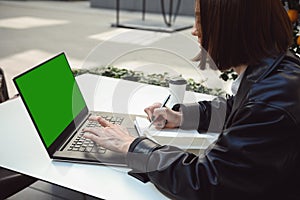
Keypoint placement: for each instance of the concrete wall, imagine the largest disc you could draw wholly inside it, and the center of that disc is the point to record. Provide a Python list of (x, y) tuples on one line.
[(153, 6)]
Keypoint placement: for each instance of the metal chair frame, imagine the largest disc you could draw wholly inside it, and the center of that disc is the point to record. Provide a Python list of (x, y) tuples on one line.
[(168, 21)]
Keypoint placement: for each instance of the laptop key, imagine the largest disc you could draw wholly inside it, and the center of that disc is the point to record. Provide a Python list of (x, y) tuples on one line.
[(94, 150), (101, 150), (88, 149), (75, 149), (82, 149)]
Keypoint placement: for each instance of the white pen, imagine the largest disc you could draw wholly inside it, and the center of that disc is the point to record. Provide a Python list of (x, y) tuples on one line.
[(162, 105)]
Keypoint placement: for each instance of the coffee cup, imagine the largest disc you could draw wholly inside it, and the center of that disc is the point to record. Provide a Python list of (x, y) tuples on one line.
[(177, 87)]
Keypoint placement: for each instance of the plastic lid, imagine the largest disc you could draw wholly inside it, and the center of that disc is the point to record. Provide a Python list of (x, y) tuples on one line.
[(177, 81)]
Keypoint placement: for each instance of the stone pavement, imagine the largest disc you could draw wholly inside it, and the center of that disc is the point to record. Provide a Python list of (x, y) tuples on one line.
[(33, 31)]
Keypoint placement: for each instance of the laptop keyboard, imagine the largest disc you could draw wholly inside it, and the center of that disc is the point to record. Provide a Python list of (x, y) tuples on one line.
[(82, 144)]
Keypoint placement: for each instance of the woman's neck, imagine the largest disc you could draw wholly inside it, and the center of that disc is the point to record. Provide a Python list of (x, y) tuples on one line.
[(240, 69)]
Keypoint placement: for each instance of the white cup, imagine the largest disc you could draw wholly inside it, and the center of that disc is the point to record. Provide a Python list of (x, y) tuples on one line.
[(177, 87)]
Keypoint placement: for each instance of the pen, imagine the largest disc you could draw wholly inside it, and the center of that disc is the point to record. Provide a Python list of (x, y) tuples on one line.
[(162, 105)]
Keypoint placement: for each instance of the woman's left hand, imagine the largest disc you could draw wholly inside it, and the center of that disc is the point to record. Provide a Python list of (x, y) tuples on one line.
[(109, 136)]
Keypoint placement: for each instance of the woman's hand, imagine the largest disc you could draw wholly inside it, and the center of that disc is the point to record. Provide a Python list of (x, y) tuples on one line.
[(164, 117), (110, 136)]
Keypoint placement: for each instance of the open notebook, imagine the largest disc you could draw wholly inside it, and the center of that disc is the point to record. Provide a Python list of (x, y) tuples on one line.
[(185, 139)]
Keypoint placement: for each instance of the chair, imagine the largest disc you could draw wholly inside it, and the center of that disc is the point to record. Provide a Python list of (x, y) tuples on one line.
[(3, 87), (10, 182)]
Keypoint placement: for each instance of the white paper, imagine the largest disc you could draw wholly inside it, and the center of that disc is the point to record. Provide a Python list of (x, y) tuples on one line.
[(186, 139)]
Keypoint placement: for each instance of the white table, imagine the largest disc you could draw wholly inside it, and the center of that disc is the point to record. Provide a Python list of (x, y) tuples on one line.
[(22, 151)]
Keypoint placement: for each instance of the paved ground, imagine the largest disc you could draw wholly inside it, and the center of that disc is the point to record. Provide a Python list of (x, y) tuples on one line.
[(33, 31)]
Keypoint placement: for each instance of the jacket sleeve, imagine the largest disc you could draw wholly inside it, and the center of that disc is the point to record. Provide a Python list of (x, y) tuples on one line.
[(205, 116), (250, 159)]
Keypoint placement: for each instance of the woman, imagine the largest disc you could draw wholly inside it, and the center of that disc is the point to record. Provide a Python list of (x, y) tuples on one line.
[(257, 153)]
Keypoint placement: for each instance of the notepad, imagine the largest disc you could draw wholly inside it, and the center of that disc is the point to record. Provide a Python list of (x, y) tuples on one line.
[(185, 139)]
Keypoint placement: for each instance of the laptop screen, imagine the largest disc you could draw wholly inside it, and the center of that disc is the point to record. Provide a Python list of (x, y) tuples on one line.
[(51, 96)]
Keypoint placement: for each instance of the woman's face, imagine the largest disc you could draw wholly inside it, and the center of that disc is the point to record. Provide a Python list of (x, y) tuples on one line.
[(196, 30)]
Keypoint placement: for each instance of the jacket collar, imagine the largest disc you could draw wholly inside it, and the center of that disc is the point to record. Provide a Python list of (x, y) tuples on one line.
[(254, 74), (258, 72)]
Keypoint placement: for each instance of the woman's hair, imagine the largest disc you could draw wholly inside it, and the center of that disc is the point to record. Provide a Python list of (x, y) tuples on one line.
[(237, 32)]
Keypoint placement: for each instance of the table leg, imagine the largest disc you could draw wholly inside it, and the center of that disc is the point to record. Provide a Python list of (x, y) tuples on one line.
[(170, 11), (163, 11), (169, 21), (144, 10), (117, 12), (177, 10)]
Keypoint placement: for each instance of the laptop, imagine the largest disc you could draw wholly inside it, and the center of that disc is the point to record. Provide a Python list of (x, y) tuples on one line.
[(59, 112)]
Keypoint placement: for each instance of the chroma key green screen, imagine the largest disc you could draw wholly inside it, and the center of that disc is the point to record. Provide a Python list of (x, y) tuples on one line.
[(51, 95)]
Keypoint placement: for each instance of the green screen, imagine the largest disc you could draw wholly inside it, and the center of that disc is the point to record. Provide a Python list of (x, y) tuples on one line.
[(51, 96)]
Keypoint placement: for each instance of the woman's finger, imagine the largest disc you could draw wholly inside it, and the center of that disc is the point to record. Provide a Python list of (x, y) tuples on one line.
[(94, 131), (103, 122), (160, 113), (149, 110)]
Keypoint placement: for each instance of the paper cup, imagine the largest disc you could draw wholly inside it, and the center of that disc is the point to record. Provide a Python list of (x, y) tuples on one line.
[(177, 87)]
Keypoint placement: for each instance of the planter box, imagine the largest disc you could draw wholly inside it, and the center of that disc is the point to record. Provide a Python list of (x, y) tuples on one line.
[(152, 6)]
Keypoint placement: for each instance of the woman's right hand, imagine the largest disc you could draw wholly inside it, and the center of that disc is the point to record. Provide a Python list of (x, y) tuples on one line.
[(164, 117)]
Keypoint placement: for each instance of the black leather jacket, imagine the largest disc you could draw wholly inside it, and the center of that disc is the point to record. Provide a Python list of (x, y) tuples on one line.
[(257, 155)]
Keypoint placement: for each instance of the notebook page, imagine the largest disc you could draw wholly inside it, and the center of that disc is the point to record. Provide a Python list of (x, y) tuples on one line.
[(186, 139)]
